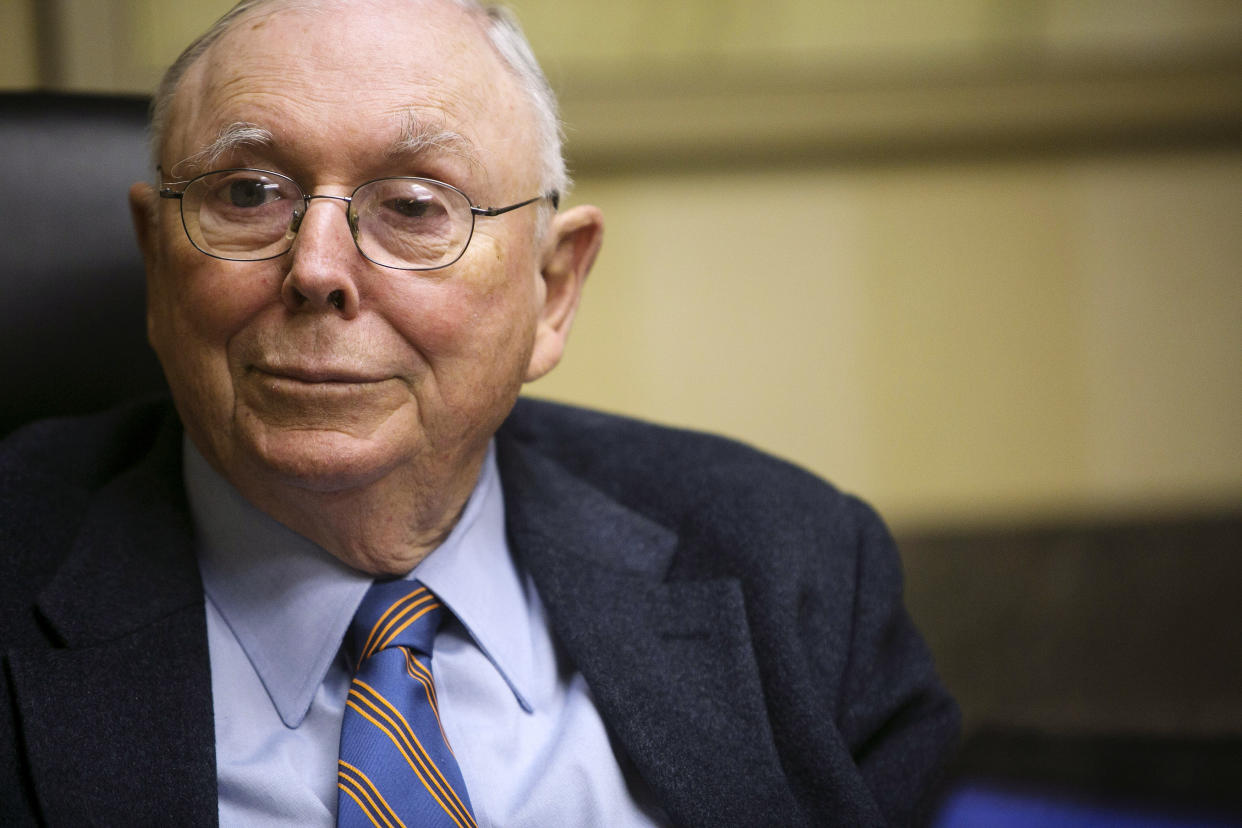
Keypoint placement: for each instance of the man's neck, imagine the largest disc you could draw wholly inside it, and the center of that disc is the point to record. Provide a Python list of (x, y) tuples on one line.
[(383, 528)]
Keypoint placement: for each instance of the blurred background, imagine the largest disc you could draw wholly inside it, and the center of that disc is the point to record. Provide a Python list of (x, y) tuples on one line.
[(977, 261)]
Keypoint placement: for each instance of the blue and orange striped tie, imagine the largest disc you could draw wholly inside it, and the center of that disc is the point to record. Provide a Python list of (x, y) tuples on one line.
[(396, 768)]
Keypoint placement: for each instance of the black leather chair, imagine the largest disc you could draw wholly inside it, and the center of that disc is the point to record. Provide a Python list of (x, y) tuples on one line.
[(73, 338)]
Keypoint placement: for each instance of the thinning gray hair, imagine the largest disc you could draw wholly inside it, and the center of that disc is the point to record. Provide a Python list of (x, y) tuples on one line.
[(503, 32)]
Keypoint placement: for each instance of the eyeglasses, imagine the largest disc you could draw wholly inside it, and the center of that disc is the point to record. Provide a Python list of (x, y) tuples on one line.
[(406, 223)]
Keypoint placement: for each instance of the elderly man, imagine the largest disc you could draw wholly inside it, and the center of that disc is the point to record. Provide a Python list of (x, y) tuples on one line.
[(351, 547)]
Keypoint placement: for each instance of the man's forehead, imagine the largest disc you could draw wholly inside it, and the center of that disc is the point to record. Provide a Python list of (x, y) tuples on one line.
[(420, 67)]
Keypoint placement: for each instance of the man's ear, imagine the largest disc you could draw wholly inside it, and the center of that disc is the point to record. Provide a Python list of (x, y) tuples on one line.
[(143, 207), (570, 245), (144, 211)]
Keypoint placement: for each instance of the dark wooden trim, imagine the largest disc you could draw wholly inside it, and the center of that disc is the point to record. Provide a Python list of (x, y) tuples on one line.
[(657, 118)]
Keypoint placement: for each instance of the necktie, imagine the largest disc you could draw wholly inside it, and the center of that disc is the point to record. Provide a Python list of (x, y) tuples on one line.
[(396, 767)]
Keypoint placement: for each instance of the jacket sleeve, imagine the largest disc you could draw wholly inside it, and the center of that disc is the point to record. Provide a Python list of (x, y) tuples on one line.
[(899, 722)]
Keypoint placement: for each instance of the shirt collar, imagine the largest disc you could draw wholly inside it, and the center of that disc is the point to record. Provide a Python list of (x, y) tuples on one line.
[(475, 576), (289, 602)]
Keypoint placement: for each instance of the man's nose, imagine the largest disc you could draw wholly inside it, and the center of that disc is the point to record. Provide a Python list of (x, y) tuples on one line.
[(325, 262)]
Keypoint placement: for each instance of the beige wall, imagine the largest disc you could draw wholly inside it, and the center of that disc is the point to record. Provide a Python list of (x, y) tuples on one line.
[(975, 260), (958, 341), (18, 57)]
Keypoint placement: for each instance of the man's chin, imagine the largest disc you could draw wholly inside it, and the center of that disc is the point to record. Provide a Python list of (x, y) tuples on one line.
[(317, 458)]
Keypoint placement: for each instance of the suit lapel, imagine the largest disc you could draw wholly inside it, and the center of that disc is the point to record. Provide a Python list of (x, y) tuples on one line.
[(118, 724), (659, 656)]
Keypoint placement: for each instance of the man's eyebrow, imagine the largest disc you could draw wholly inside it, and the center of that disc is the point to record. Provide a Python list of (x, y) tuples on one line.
[(419, 137), (236, 134)]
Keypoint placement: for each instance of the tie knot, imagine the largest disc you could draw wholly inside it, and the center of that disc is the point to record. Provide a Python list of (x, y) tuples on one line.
[(394, 614)]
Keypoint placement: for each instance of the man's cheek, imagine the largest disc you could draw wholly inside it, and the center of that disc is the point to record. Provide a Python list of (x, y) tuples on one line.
[(437, 319), (213, 304)]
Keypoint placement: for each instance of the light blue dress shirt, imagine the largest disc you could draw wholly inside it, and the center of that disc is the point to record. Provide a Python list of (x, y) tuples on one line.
[(531, 745)]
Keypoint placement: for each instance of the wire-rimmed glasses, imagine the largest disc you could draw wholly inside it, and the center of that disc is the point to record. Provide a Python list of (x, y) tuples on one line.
[(406, 223)]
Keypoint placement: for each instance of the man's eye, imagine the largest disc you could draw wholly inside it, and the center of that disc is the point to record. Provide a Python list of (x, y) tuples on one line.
[(251, 193), (414, 207)]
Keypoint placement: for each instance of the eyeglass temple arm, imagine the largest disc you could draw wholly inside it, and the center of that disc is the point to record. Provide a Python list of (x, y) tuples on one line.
[(552, 196)]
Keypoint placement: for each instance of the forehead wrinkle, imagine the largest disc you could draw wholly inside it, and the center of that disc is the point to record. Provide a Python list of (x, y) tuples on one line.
[(229, 138)]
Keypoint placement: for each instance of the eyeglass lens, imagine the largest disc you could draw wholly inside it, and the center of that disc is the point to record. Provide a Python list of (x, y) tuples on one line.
[(249, 215)]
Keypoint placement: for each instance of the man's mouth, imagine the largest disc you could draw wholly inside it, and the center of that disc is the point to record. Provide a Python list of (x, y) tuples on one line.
[(317, 374)]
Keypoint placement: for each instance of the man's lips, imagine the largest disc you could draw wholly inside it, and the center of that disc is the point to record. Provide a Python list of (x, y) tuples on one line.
[(319, 375), (321, 395)]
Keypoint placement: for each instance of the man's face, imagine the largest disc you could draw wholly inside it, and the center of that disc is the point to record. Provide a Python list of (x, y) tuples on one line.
[(320, 368)]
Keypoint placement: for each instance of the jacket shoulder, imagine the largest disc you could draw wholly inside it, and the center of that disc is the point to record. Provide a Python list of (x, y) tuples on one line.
[(49, 472), (821, 582), (84, 452)]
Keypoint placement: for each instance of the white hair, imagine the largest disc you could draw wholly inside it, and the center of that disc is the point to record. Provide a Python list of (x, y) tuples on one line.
[(503, 32)]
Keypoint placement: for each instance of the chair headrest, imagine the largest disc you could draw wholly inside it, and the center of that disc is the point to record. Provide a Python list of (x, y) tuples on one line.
[(74, 335)]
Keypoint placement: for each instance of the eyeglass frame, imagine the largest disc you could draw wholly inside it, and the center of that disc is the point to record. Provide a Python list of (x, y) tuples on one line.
[(166, 191)]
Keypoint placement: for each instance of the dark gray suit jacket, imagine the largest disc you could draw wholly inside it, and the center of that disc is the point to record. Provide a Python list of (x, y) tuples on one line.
[(738, 621)]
